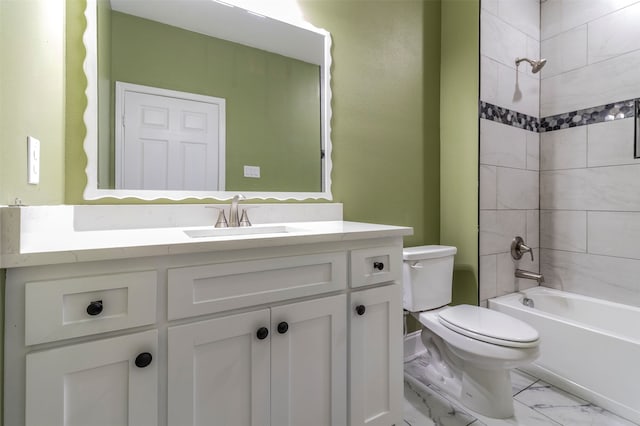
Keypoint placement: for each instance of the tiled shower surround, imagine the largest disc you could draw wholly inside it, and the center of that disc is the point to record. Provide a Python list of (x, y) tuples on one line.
[(576, 178), (509, 142), (589, 178)]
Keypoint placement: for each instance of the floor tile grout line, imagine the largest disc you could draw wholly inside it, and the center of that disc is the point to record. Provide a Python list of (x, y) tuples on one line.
[(453, 403), (522, 390), (545, 415)]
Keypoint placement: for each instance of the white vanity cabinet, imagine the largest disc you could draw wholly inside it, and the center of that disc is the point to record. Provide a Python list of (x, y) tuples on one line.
[(279, 366), (304, 334)]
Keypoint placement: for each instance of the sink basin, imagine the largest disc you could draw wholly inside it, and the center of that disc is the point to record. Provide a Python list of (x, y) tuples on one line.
[(227, 232)]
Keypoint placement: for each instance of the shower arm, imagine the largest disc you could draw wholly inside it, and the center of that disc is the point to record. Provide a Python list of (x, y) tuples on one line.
[(518, 60), (536, 66)]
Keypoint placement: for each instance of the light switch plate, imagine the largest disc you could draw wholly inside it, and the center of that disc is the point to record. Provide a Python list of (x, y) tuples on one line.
[(33, 160), (252, 171)]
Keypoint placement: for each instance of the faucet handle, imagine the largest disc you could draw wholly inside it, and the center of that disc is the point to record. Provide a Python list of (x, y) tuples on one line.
[(221, 222), (519, 248), (244, 217)]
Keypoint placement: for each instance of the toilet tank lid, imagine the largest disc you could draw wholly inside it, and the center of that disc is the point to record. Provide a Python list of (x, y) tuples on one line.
[(428, 252)]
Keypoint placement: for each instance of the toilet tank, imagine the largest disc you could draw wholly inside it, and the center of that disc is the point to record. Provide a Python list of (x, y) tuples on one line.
[(427, 277)]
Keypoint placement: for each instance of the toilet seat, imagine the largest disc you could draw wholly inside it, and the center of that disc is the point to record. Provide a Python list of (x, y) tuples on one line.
[(489, 326)]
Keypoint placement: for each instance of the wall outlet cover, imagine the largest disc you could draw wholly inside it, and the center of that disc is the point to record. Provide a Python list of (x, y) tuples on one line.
[(252, 171)]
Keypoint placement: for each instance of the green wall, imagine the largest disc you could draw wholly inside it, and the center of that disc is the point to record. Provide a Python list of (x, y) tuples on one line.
[(385, 132), (263, 91), (432, 47), (32, 98), (459, 88)]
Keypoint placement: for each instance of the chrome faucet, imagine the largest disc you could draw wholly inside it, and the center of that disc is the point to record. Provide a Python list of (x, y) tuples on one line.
[(521, 273), (234, 217)]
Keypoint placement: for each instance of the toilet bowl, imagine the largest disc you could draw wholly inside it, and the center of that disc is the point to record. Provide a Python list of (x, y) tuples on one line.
[(470, 349)]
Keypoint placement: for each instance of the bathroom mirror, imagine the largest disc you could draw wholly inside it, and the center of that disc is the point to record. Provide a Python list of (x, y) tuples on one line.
[(269, 81)]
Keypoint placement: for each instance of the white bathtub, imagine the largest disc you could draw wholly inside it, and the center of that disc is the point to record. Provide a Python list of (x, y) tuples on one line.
[(589, 347)]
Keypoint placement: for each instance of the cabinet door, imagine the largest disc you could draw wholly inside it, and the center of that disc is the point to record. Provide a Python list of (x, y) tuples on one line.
[(376, 357), (309, 363), (95, 383), (218, 371)]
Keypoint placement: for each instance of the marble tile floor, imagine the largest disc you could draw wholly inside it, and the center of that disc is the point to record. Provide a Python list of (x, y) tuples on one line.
[(535, 403)]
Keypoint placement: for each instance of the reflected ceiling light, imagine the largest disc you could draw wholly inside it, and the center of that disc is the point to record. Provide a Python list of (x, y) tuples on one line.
[(286, 10), (256, 14), (224, 3)]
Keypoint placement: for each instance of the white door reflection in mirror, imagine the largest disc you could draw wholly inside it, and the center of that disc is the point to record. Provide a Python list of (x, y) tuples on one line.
[(169, 140)]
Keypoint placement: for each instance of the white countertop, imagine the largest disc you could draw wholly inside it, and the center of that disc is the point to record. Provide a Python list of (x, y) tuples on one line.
[(62, 245)]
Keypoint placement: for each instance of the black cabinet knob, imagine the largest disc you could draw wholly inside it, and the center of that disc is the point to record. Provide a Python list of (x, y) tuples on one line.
[(283, 327), (360, 309), (95, 308), (378, 265), (262, 333), (143, 360)]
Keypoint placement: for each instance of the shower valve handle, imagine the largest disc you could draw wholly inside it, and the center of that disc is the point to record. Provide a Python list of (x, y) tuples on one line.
[(519, 248)]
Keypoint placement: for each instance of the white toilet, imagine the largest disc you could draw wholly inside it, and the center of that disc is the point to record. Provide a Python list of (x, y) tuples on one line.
[(470, 348)]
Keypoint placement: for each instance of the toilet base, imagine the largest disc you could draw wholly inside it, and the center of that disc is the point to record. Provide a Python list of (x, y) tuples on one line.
[(487, 392)]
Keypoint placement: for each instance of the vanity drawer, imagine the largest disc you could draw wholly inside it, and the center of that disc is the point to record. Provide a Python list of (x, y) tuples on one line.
[(375, 265), (80, 306), (199, 290)]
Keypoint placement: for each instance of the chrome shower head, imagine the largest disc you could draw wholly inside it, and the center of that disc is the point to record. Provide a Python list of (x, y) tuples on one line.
[(536, 66)]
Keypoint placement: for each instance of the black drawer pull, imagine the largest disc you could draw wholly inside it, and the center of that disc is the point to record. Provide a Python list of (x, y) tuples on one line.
[(360, 309), (95, 308), (378, 265), (283, 327), (143, 360), (262, 333)]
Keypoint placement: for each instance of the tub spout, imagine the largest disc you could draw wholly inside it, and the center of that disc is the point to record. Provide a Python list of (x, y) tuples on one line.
[(521, 273)]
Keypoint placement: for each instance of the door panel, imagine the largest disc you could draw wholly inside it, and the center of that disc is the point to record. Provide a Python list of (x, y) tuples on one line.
[(376, 357), (94, 383), (219, 372), (308, 373)]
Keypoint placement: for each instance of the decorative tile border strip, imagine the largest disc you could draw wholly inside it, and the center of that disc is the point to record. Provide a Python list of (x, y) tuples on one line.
[(582, 117), (506, 116), (598, 114)]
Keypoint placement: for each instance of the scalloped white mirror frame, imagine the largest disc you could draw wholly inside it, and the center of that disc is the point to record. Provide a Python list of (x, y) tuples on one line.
[(92, 192)]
